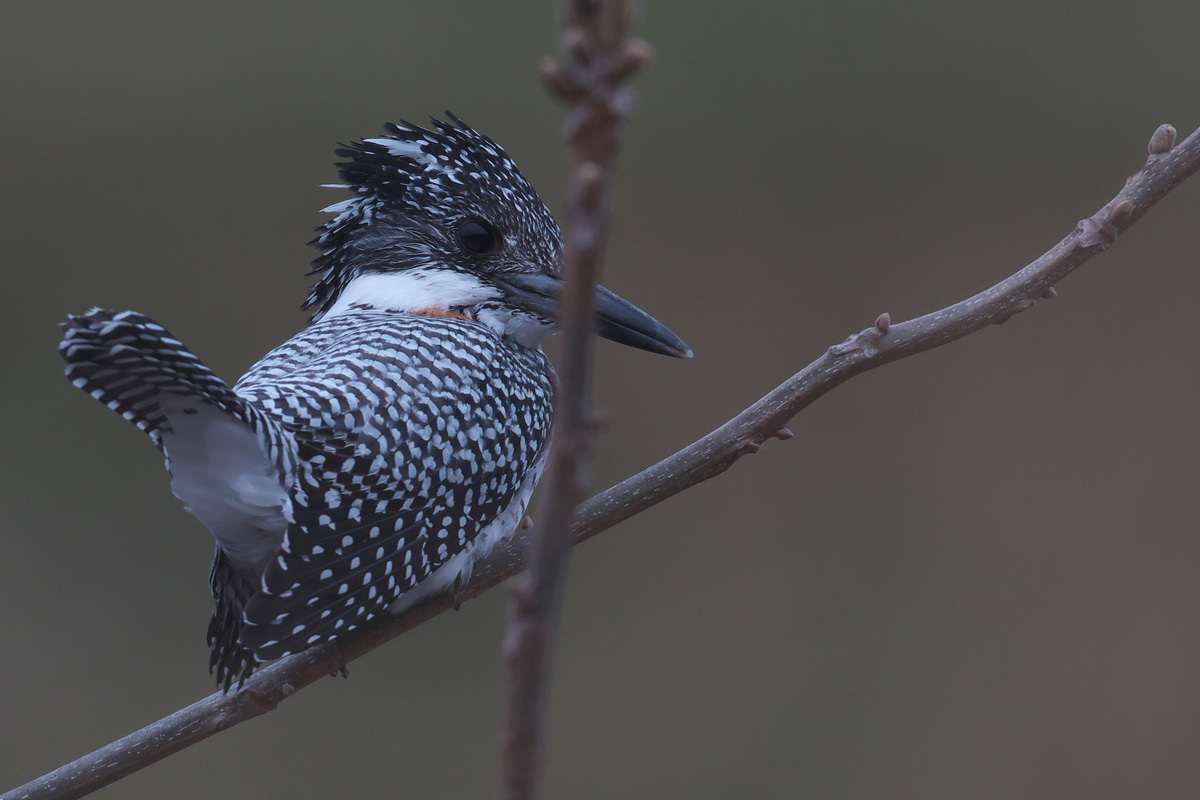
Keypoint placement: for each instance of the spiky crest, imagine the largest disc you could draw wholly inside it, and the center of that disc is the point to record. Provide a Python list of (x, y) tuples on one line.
[(433, 174)]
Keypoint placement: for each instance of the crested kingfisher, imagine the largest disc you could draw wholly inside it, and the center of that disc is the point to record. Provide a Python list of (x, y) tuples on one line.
[(374, 457)]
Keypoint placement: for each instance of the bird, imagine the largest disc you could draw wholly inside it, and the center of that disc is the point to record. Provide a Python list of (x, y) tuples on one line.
[(370, 460)]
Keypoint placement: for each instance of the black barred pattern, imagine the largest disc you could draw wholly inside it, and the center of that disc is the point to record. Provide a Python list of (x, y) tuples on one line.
[(125, 359)]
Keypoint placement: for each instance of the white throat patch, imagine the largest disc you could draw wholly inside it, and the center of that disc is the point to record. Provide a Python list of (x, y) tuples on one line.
[(420, 288), (425, 289)]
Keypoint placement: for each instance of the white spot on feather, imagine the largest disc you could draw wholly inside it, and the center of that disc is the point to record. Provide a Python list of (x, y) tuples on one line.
[(409, 149)]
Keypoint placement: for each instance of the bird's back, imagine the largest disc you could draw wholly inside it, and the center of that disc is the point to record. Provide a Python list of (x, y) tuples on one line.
[(415, 436)]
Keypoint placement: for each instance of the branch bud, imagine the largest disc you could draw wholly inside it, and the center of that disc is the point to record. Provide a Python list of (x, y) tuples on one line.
[(1162, 141), (1121, 213), (575, 42), (629, 62), (559, 80), (1097, 231)]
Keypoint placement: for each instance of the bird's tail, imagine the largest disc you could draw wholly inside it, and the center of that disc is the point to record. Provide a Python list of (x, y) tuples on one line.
[(229, 659)]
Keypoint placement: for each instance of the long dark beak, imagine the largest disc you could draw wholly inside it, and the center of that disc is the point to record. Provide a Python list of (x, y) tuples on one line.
[(616, 319)]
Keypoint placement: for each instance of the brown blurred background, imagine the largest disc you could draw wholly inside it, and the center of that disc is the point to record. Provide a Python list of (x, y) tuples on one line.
[(971, 574)]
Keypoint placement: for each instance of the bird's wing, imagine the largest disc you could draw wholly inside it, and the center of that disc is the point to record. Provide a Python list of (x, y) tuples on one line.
[(128, 361), (227, 459)]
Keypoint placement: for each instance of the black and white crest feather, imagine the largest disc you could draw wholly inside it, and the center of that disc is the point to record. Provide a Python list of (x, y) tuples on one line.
[(433, 175)]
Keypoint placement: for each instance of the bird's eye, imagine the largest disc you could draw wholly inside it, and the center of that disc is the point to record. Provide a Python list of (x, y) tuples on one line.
[(477, 237)]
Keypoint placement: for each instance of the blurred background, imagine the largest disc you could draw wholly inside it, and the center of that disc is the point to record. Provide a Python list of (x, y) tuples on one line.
[(972, 573)]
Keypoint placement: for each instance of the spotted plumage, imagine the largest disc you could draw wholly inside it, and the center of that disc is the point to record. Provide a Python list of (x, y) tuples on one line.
[(406, 456), (370, 460)]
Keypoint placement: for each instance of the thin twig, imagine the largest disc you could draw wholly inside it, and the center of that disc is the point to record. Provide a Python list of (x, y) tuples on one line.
[(706, 458), (591, 75)]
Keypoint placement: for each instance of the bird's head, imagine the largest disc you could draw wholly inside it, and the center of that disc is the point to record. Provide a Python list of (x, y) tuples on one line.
[(443, 223)]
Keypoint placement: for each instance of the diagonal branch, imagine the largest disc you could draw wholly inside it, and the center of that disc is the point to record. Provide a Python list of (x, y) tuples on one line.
[(708, 457), (592, 77)]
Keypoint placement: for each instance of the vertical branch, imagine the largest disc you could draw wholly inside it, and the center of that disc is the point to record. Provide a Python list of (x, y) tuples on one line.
[(596, 62)]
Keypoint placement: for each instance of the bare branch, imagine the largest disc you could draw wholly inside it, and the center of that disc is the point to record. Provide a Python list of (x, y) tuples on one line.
[(591, 76), (706, 458)]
